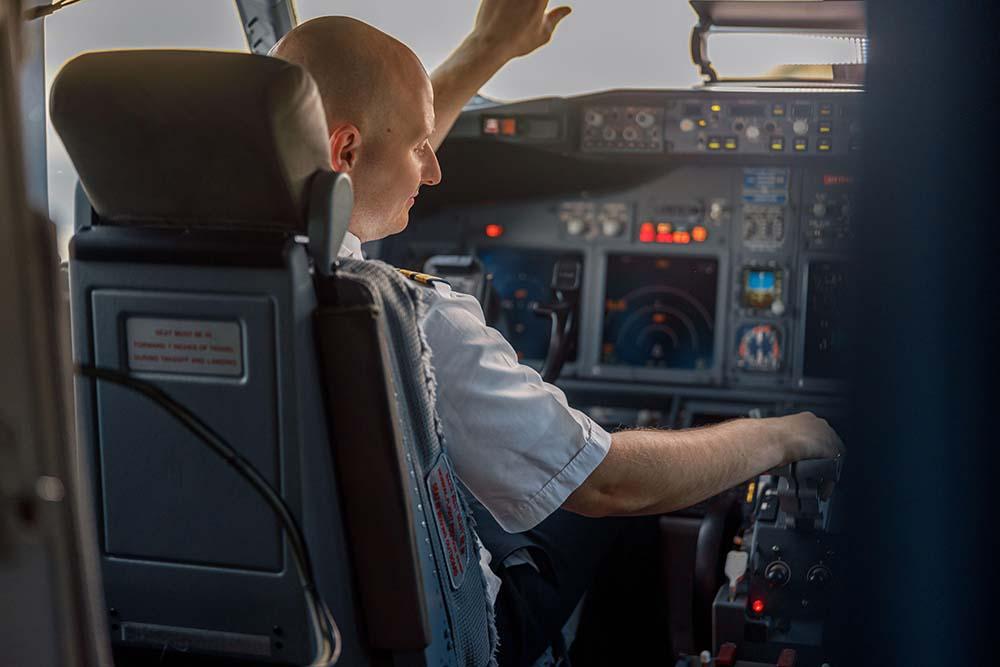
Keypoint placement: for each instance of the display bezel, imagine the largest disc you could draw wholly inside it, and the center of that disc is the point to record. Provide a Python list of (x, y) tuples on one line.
[(800, 379), (712, 375), (571, 367)]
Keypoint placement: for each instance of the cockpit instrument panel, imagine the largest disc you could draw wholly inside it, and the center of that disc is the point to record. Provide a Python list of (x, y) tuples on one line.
[(712, 226), (728, 123), (659, 312), (632, 129)]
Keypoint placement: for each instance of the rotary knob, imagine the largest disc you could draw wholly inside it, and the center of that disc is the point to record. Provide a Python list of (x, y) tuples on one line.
[(819, 209), (610, 134), (800, 127), (777, 574), (716, 210), (753, 133), (686, 125), (644, 119), (611, 227), (575, 227), (593, 118), (819, 575)]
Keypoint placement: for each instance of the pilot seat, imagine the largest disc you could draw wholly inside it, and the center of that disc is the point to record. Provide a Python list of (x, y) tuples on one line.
[(204, 265)]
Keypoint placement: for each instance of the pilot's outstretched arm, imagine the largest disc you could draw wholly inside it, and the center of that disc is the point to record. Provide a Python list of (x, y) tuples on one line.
[(504, 30), (524, 452)]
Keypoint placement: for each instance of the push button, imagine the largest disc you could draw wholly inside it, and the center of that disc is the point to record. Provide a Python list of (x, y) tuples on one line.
[(726, 656), (777, 144)]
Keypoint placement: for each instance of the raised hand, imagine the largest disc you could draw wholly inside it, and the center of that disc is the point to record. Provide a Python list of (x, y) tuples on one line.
[(517, 27)]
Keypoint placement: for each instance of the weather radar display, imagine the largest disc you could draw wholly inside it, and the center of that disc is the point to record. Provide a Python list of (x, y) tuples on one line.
[(659, 312)]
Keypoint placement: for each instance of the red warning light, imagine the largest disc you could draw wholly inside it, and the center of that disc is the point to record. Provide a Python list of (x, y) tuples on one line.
[(682, 237), (646, 232), (508, 126), (757, 606), (699, 234), (494, 231), (836, 179), (664, 237)]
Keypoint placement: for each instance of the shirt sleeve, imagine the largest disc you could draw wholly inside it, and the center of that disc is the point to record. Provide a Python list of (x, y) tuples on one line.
[(513, 439)]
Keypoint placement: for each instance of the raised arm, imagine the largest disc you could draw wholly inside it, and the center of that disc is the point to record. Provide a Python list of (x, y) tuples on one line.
[(650, 472), (504, 30)]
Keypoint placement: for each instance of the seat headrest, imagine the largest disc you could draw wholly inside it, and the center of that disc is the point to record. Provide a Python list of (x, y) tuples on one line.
[(192, 138)]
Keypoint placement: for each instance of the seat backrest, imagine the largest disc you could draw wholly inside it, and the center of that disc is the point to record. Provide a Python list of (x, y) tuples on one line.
[(201, 175)]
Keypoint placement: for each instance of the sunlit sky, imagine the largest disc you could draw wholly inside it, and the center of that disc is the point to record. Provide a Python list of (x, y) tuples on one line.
[(601, 45)]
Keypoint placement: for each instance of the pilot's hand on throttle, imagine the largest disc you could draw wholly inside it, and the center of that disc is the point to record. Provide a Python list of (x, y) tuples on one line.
[(806, 436), (516, 27)]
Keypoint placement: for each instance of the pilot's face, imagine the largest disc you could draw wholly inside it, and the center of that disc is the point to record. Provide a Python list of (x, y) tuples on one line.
[(395, 164)]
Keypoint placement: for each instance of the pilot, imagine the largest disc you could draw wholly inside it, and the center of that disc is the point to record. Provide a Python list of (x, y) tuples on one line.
[(516, 444)]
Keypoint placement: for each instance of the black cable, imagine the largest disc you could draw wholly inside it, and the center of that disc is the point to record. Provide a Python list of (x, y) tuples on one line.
[(322, 616)]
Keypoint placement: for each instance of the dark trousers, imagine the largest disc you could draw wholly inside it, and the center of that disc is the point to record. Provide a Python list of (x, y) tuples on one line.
[(534, 605)]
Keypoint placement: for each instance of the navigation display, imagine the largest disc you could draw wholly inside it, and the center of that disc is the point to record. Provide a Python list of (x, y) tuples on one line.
[(826, 336), (659, 312), (522, 280)]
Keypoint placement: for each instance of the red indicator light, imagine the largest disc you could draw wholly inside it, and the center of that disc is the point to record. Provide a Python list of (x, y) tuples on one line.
[(757, 606), (699, 234), (836, 179), (491, 126), (508, 127), (646, 232), (494, 231), (664, 237), (682, 237)]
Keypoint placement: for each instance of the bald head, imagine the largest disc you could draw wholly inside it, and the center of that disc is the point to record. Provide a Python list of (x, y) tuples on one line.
[(361, 72), (380, 114)]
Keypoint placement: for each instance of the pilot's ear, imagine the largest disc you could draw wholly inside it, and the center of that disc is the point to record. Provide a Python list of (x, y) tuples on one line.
[(345, 145)]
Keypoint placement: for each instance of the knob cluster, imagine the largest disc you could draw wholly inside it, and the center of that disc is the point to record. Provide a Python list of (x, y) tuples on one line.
[(778, 573)]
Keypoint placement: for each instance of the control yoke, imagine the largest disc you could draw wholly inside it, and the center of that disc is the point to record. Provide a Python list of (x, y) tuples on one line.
[(563, 313)]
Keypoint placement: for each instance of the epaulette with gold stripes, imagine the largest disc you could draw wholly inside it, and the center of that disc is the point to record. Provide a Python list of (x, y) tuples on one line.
[(422, 278)]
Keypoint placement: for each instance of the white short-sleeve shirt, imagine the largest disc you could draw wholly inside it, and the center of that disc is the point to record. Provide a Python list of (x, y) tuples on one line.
[(512, 438)]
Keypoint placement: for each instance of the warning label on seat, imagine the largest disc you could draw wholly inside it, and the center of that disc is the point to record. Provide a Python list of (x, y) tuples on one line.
[(450, 519), (184, 346)]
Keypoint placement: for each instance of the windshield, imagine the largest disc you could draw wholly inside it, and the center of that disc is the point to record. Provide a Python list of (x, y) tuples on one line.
[(602, 45)]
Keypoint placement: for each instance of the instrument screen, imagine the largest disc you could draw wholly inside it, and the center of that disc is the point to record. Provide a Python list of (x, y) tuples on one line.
[(522, 280), (659, 311), (826, 322)]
